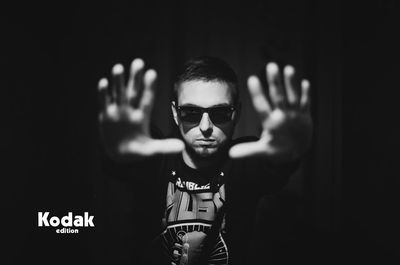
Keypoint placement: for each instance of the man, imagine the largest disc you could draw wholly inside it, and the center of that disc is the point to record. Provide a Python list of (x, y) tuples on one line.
[(211, 183)]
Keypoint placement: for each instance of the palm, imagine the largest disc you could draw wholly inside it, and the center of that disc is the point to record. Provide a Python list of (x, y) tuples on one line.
[(285, 120), (125, 114)]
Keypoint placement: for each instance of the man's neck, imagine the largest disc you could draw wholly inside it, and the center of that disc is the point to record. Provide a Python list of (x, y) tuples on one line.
[(197, 162)]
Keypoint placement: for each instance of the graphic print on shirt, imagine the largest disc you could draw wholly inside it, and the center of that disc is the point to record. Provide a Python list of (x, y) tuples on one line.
[(190, 214)]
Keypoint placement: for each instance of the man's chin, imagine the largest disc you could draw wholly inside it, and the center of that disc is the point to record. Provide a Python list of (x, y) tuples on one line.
[(206, 152)]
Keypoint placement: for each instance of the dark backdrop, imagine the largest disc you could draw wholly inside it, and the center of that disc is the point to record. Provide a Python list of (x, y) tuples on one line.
[(52, 56)]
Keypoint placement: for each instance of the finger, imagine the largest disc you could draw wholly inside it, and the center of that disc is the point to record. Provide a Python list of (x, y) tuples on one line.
[(104, 98), (305, 95), (178, 245), (152, 147), (248, 150), (185, 254), (291, 92), (176, 254), (148, 93), (135, 78), (276, 92), (184, 260), (118, 83), (185, 239), (258, 98)]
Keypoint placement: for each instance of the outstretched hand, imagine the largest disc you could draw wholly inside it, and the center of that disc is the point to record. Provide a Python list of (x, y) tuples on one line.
[(285, 118), (125, 113)]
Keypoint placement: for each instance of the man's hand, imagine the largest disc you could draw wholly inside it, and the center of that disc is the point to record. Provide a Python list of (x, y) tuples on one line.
[(191, 251), (286, 119), (125, 114), (183, 255)]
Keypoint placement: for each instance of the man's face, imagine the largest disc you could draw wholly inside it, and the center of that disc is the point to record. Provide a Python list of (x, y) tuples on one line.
[(205, 137)]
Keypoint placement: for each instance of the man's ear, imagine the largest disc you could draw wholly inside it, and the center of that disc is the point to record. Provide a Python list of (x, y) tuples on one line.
[(174, 112)]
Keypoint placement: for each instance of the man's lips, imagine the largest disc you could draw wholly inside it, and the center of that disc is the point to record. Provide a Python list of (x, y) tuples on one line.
[(203, 141)]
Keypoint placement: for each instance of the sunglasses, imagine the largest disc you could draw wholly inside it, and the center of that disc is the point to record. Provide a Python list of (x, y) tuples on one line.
[(191, 115)]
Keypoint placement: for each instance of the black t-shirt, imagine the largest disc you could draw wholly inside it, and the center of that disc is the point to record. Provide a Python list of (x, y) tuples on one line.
[(211, 209)]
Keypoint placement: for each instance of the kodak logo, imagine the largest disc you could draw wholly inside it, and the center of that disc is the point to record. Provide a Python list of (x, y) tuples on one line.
[(68, 220)]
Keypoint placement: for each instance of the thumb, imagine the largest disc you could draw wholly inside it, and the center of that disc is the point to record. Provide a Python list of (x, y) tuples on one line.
[(152, 147), (248, 150), (167, 146), (185, 251)]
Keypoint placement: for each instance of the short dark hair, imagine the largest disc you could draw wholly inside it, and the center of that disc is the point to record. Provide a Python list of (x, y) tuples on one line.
[(206, 68)]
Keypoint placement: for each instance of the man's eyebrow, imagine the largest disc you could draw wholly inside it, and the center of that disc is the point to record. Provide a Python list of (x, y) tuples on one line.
[(212, 106)]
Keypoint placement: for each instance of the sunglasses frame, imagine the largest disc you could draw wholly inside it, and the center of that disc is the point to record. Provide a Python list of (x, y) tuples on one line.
[(203, 110)]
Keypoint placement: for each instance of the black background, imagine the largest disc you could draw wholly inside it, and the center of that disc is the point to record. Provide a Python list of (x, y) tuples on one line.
[(52, 56)]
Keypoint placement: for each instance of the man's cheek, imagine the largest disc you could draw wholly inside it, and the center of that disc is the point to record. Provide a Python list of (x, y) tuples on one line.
[(185, 128)]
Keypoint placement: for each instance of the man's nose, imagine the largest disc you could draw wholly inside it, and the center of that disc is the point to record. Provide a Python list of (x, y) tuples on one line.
[(205, 123)]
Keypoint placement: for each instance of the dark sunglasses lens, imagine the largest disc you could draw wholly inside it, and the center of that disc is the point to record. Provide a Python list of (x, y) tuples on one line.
[(218, 115), (221, 115), (191, 114)]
